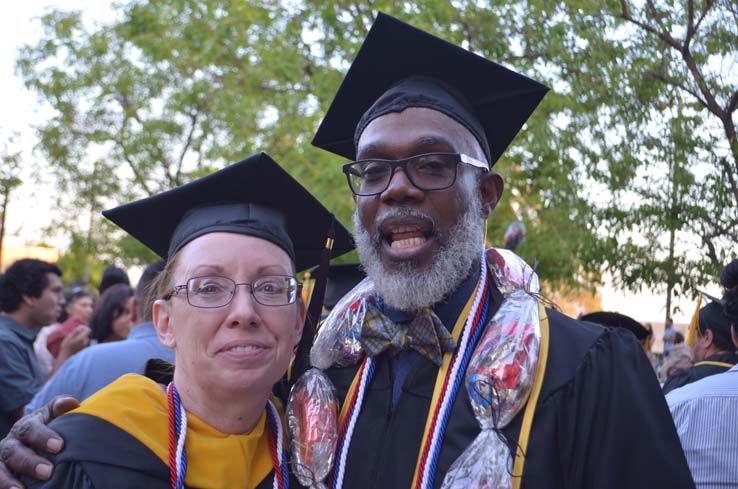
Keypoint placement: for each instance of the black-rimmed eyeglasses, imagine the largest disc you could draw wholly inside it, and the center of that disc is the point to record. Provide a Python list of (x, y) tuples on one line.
[(432, 171), (215, 291)]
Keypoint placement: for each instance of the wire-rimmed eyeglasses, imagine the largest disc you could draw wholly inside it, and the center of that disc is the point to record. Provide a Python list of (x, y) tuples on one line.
[(212, 291), (431, 171)]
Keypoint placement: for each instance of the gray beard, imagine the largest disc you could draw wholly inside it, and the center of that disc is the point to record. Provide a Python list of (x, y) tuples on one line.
[(407, 289)]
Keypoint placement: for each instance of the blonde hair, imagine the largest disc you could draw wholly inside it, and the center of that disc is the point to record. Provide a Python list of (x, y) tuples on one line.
[(164, 281), (677, 354)]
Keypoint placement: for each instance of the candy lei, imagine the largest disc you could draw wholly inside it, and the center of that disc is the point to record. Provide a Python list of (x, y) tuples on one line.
[(440, 406), (178, 433)]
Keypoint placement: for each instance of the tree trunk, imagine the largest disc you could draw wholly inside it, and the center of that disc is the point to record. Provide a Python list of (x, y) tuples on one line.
[(6, 196)]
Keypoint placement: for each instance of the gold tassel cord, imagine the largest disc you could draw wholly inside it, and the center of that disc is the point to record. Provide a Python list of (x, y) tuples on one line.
[(692, 332)]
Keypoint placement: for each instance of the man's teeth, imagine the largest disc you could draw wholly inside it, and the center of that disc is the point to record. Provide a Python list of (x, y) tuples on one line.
[(244, 348), (404, 229), (404, 243)]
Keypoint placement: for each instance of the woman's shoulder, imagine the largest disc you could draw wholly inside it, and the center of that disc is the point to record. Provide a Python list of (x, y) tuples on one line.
[(99, 454)]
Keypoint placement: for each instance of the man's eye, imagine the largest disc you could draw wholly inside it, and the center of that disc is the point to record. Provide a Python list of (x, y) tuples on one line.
[(374, 171), (432, 166)]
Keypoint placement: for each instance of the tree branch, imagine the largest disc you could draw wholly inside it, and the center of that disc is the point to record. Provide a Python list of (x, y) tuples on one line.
[(690, 23), (625, 15), (193, 125), (136, 174), (708, 6), (729, 173), (708, 97), (732, 104), (664, 34), (675, 83)]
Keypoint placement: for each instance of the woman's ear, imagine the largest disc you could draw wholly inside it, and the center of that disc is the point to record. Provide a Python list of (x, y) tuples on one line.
[(162, 316)]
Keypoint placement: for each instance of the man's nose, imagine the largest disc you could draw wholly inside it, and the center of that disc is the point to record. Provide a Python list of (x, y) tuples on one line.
[(400, 188)]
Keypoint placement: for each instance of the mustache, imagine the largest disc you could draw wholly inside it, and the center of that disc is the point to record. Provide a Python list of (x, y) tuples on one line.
[(403, 212)]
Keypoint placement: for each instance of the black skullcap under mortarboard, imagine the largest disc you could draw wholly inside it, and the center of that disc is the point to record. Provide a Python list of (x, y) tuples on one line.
[(255, 197), (617, 320), (399, 66), (341, 279)]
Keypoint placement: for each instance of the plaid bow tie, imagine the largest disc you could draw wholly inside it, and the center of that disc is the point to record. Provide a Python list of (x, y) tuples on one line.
[(425, 334)]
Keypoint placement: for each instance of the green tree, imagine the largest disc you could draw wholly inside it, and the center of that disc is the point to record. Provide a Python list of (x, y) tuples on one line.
[(653, 88), (633, 145)]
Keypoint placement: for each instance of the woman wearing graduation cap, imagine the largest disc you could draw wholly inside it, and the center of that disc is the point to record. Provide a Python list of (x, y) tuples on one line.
[(230, 306)]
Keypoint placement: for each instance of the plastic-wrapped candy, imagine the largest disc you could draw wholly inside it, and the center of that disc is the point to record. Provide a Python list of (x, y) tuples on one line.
[(500, 376), (337, 342), (312, 424)]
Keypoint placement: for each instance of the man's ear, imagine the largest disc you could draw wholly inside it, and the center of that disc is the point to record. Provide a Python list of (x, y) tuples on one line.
[(28, 300), (734, 334), (134, 310), (491, 186), (162, 316), (709, 336)]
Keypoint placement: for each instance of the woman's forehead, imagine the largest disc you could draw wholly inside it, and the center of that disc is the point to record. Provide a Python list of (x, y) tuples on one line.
[(221, 252)]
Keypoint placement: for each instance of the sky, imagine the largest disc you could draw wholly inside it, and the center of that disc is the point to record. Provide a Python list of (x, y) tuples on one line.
[(31, 205)]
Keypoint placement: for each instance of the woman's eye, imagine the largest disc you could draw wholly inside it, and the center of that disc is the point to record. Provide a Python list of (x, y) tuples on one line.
[(272, 287), (209, 289)]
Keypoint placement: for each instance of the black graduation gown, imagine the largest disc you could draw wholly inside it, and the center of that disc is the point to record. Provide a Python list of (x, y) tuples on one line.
[(111, 453), (601, 420), (696, 372), (87, 462)]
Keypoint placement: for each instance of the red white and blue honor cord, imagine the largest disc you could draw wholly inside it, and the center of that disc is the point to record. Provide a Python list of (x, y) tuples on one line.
[(178, 433), (440, 411)]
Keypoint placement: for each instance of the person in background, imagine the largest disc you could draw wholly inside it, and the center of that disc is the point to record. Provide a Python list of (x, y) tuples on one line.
[(99, 365), (341, 279), (111, 276), (713, 351), (114, 314), (679, 359), (670, 333), (705, 411), (74, 319), (31, 296)]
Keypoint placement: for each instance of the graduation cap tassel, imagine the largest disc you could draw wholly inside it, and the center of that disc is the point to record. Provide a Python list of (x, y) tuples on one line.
[(315, 307), (691, 333)]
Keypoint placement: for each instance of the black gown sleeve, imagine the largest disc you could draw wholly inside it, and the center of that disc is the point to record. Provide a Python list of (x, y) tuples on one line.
[(100, 455), (676, 380), (65, 475), (615, 427)]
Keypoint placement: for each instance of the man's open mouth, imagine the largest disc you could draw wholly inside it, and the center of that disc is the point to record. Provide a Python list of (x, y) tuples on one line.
[(406, 232)]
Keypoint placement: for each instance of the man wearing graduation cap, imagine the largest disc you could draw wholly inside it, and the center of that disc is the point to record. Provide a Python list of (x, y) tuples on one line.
[(713, 350), (425, 121), (705, 410), (594, 417)]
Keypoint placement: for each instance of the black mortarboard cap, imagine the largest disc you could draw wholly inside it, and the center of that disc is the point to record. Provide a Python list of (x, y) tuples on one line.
[(255, 197), (617, 320), (490, 100), (341, 279)]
